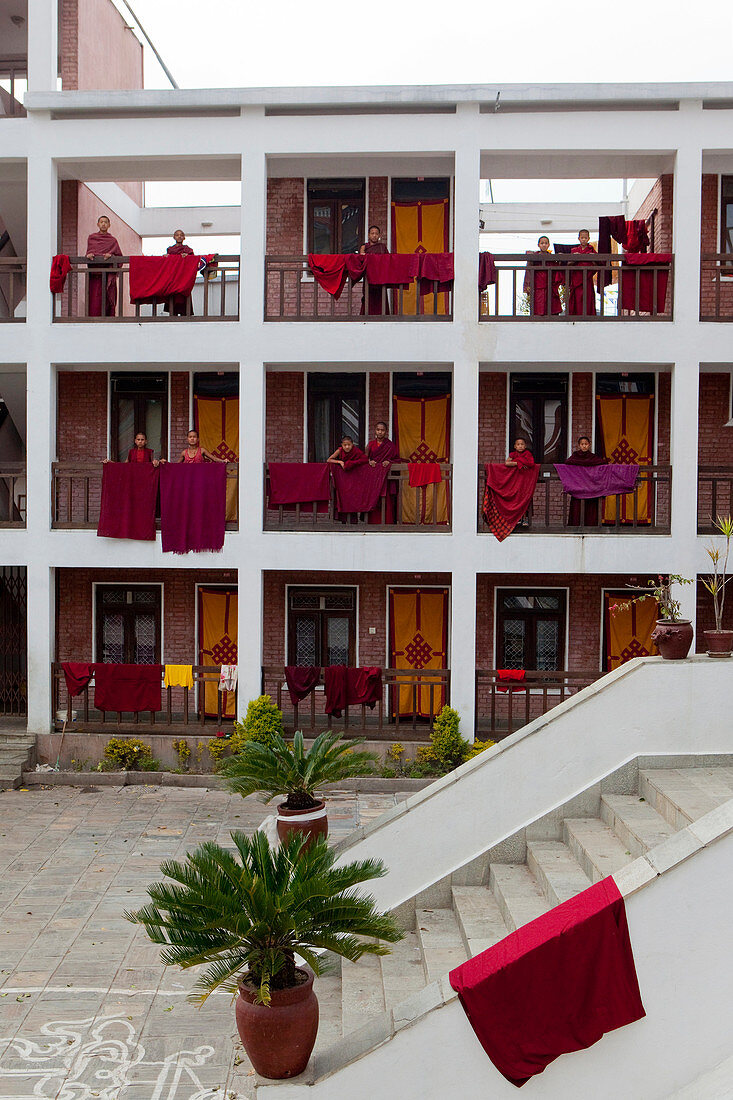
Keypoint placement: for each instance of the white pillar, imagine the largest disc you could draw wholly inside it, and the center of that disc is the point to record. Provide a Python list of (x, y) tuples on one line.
[(249, 648), (41, 630), (463, 649), (42, 45)]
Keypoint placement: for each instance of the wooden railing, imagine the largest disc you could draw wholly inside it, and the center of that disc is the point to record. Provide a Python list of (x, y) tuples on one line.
[(181, 706), (714, 496), (292, 294), (13, 83), (216, 304), (549, 511), (408, 705), (12, 494), (716, 286), (403, 508), (76, 491), (506, 299), (12, 287), (501, 712)]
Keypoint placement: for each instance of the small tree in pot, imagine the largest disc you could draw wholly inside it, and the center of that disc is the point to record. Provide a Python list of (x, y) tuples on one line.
[(282, 769), (249, 915), (672, 634), (719, 641)]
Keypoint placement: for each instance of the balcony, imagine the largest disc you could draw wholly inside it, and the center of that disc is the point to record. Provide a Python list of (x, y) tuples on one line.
[(714, 496), (502, 707), (12, 287), (716, 286), (644, 511), (542, 291), (12, 495), (13, 86), (292, 294), (76, 490), (214, 298), (403, 508)]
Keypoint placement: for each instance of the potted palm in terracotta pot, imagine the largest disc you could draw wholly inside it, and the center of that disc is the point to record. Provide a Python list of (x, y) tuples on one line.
[(278, 769), (254, 915), (672, 634), (719, 641)]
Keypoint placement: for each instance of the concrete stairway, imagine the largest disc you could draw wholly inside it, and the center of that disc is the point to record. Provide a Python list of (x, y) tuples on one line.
[(15, 752)]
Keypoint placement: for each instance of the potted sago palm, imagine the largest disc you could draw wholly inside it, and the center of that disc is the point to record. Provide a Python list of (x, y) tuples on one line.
[(278, 769), (719, 641), (251, 915)]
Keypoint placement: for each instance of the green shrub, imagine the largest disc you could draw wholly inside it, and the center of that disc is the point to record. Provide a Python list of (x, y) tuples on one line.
[(218, 748), (448, 749), (262, 723), (128, 754), (184, 753)]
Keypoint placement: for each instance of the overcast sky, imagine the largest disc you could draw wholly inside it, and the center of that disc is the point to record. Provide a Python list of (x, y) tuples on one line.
[(231, 43)]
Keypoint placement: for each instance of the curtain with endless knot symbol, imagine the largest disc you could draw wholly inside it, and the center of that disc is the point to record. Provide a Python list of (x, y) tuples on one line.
[(629, 632), (217, 644), (421, 227), (418, 638), (626, 426), (217, 422), (422, 434)]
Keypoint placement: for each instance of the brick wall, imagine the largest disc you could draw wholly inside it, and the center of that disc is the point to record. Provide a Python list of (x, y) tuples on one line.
[(582, 401), (492, 391), (180, 414), (705, 618), (285, 199), (81, 419), (378, 400), (284, 425), (659, 199), (715, 439), (712, 301), (378, 212), (110, 58)]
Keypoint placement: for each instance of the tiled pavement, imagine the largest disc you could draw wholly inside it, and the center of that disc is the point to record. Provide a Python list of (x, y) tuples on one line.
[(87, 1009)]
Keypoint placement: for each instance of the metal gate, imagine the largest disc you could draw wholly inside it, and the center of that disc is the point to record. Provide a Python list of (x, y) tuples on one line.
[(13, 641)]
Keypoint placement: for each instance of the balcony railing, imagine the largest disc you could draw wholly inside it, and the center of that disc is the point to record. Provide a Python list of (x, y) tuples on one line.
[(292, 294), (216, 299), (182, 707), (645, 510), (714, 496), (410, 701), (12, 494), (499, 712), (76, 492), (12, 287), (13, 85), (716, 286), (403, 508), (630, 289)]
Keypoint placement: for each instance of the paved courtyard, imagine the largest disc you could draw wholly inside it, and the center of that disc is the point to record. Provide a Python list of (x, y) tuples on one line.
[(86, 1007)]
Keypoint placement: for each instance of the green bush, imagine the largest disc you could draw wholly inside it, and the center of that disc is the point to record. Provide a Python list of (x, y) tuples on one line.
[(128, 754), (448, 749), (262, 723)]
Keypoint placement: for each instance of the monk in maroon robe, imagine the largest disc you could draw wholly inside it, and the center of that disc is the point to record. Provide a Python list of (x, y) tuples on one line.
[(102, 246), (538, 279), (381, 451), (179, 304), (348, 455), (141, 452), (582, 295), (522, 458), (583, 513), (375, 246)]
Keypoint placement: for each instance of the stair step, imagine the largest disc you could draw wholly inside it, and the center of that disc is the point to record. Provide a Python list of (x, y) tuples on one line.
[(678, 795), (635, 823), (597, 849), (402, 970), (479, 918), (518, 894), (556, 870), (440, 940), (362, 993)]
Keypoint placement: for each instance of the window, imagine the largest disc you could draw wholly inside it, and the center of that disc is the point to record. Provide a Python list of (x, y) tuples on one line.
[(128, 624), (609, 384), (538, 410), (530, 627), (139, 404), (335, 409), (322, 626), (726, 213), (335, 215)]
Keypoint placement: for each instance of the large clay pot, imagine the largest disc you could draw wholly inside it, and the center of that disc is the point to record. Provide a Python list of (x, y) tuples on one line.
[(279, 1037), (311, 823), (719, 642), (673, 639)]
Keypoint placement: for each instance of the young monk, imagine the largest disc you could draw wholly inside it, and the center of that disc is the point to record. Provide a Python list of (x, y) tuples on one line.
[(536, 282), (374, 246), (179, 304), (102, 246), (381, 451), (141, 452), (374, 243), (583, 513), (521, 457), (347, 455), (581, 293), (194, 452)]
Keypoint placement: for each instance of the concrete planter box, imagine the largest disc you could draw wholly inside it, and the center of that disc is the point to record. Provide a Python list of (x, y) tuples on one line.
[(365, 785)]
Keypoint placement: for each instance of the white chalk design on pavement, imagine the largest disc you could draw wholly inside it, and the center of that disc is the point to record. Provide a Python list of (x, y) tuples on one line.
[(91, 1060)]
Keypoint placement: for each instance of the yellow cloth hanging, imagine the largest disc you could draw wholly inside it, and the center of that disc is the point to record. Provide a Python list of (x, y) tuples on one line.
[(178, 676)]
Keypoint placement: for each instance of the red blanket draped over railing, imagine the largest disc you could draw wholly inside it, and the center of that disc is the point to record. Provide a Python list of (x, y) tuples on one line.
[(301, 679), (347, 687), (127, 688), (509, 490), (127, 507), (629, 276), (359, 489), (294, 483), (155, 279), (192, 506), (77, 675)]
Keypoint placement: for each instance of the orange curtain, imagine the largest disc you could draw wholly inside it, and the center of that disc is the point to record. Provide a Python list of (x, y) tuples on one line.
[(218, 643), (627, 434), (629, 632), (217, 422), (421, 227), (422, 434), (418, 632)]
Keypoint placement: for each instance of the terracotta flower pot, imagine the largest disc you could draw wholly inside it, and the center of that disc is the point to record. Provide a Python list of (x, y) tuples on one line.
[(719, 642), (311, 823), (673, 639), (279, 1037)]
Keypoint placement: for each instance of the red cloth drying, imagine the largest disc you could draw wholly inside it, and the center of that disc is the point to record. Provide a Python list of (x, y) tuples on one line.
[(60, 268), (423, 473), (193, 500), (127, 508), (77, 675), (392, 269), (509, 490), (127, 688), (486, 270), (157, 278), (301, 679), (298, 483), (328, 271), (359, 488), (510, 678), (436, 267), (346, 687), (637, 236), (646, 281), (554, 986)]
